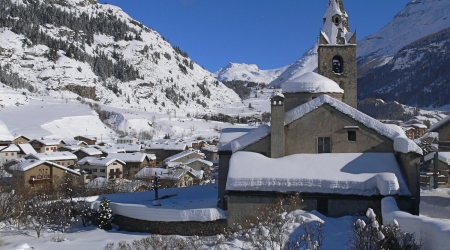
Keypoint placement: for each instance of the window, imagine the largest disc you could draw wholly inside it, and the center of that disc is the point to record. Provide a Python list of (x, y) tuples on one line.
[(102, 170), (94, 170), (323, 145), (338, 64), (336, 21), (111, 170), (39, 176), (12, 153), (351, 135), (6, 154)]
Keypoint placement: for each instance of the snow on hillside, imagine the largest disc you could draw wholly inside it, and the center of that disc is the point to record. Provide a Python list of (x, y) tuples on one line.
[(417, 20), (168, 78), (307, 63), (248, 72)]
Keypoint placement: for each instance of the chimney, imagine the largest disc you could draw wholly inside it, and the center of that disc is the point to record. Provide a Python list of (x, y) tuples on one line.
[(277, 126)]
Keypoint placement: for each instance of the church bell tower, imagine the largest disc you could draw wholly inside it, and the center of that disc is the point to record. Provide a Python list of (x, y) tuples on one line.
[(337, 51)]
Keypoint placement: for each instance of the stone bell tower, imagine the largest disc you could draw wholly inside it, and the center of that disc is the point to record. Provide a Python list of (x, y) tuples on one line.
[(337, 51)]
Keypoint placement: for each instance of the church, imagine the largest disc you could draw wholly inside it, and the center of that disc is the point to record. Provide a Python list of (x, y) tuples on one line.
[(340, 160)]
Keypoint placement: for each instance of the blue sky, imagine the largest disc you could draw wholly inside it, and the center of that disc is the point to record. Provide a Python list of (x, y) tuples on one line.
[(269, 33)]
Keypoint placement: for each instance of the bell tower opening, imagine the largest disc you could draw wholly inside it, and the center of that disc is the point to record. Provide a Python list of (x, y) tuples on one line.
[(338, 64)]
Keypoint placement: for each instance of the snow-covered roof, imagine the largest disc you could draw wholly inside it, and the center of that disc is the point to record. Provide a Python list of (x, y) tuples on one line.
[(48, 142), (31, 163), (10, 148), (311, 82), (17, 137), (70, 147), (5, 135), (102, 162), (443, 156), (90, 151), (183, 154), (109, 150), (129, 157), (151, 156), (228, 135), (172, 145), (401, 142), (330, 30), (26, 148), (200, 160), (439, 124), (129, 147), (78, 137), (212, 149), (169, 174), (353, 174), (52, 156), (277, 94)]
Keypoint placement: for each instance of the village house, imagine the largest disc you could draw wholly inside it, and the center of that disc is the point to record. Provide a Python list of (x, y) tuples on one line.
[(211, 154), (443, 128), (36, 172), (88, 152), (89, 140), (93, 167), (200, 164), (127, 140), (8, 152), (25, 149), (340, 160), (46, 145), (180, 176), (410, 132), (426, 179), (184, 156), (129, 148), (165, 149), (133, 162), (65, 159), (21, 139)]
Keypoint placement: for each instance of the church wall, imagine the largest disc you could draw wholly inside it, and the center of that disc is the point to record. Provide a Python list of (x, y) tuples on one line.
[(326, 121), (296, 99), (346, 80)]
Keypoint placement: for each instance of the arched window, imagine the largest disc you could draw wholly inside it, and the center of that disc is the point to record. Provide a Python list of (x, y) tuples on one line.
[(336, 21), (338, 64)]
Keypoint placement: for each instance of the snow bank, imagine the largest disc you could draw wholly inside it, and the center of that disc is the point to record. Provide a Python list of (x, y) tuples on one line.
[(356, 173), (434, 233), (144, 212)]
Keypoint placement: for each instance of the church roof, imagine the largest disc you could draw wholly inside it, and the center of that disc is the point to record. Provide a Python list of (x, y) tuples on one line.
[(330, 30), (401, 142), (352, 173), (311, 82)]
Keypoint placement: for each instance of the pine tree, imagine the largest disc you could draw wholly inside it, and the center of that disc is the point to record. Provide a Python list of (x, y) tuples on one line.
[(105, 215)]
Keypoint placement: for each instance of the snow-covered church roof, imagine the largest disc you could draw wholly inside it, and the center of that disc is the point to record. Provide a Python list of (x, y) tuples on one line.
[(311, 82), (401, 142), (348, 174)]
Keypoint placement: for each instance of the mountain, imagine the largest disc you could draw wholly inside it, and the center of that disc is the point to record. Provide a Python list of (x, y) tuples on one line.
[(307, 63), (417, 75), (80, 48), (408, 59), (248, 72), (420, 18)]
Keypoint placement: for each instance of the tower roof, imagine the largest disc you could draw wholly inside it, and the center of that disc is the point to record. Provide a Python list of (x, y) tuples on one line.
[(311, 83), (335, 27)]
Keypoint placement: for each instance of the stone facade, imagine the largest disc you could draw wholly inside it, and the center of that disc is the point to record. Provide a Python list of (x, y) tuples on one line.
[(185, 228), (347, 80)]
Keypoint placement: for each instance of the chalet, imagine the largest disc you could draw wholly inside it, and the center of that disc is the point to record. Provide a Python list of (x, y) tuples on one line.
[(88, 152), (109, 150), (46, 145), (6, 137), (420, 130), (129, 148), (181, 176), (93, 167), (410, 132), (127, 140), (64, 159), (89, 140), (200, 164), (8, 152), (211, 154), (21, 139), (36, 172), (184, 156), (443, 128), (133, 162), (165, 149)]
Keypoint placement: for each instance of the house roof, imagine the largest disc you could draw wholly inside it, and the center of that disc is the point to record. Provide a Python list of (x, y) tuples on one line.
[(17, 136), (183, 154), (228, 135), (109, 149), (70, 147), (171, 145), (311, 82), (439, 124), (52, 156), (442, 156), (129, 157), (347, 174), (208, 163), (26, 148), (10, 148), (48, 142), (102, 162), (401, 142), (5, 135), (90, 151), (128, 147), (31, 163), (151, 156), (212, 149), (92, 138), (168, 174)]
